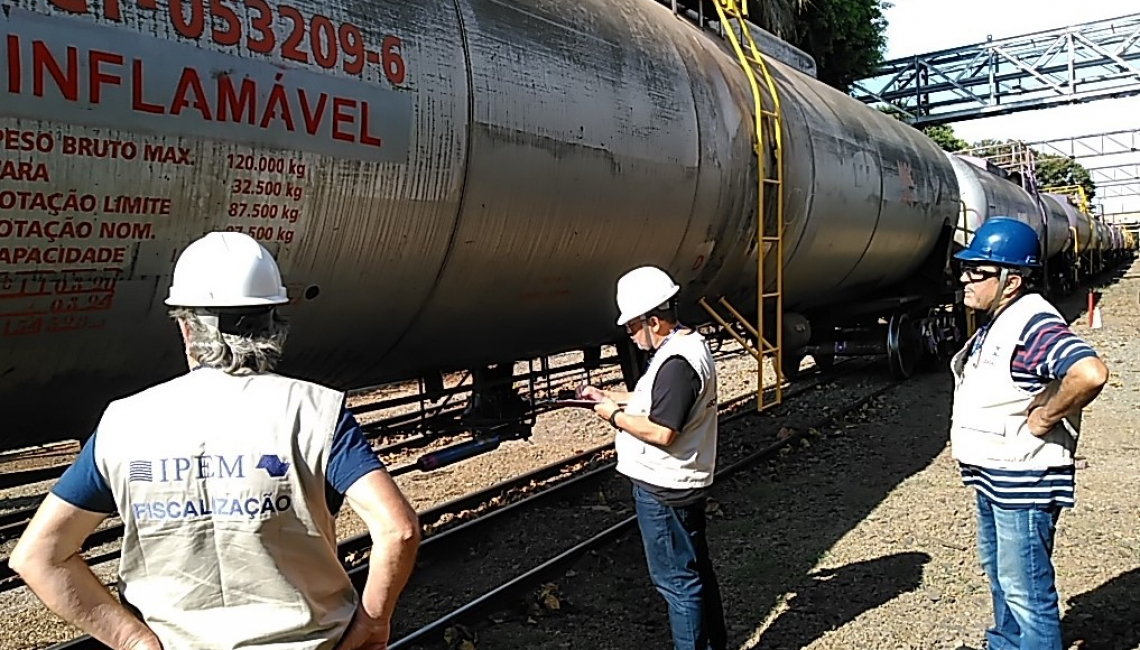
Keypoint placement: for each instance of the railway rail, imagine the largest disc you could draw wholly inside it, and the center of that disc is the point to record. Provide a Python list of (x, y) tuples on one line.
[(517, 586), (423, 427), (470, 516)]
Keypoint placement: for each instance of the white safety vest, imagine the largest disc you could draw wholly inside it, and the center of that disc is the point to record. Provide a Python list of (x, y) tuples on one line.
[(228, 541), (989, 425), (691, 460)]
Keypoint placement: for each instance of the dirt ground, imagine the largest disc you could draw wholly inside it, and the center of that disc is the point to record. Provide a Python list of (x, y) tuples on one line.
[(866, 538), (557, 435)]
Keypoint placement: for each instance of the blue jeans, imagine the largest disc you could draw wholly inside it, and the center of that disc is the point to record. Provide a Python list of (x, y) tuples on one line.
[(1016, 548), (679, 566)]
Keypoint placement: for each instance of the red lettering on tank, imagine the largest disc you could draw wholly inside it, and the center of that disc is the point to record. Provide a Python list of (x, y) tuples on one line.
[(231, 105), (79, 74), (365, 136), (278, 107), (112, 10), (94, 60), (16, 140), (165, 154), (15, 79), (126, 230), (24, 171), (66, 81), (62, 255), (338, 117), (51, 202), (99, 148), (190, 82), (312, 117), (74, 6), (137, 101), (136, 205)]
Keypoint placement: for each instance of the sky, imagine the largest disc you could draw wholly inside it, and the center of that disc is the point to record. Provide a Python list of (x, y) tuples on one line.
[(919, 26)]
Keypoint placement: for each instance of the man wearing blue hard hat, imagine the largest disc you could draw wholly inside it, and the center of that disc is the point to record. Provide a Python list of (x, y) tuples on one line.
[(1020, 384)]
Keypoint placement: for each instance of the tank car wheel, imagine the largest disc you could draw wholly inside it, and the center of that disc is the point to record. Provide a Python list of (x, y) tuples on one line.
[(904, 349), (790, 365), (823, 361)]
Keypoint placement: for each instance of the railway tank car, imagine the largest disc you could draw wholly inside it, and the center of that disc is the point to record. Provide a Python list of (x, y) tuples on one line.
[(987, 192), (445, 185), (1076, 245)]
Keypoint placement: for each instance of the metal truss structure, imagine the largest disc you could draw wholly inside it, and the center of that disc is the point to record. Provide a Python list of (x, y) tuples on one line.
[(1113, 179), (1118, 190), (1092, 145), (1061, 66)]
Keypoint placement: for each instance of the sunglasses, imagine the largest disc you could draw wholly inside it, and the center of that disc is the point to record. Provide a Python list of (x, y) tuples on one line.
[(978, 275)]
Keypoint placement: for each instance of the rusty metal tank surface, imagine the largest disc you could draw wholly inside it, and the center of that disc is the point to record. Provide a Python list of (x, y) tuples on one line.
[(985, 194), (1079, 222), (866, 196), (1058, 235), (443, 184)]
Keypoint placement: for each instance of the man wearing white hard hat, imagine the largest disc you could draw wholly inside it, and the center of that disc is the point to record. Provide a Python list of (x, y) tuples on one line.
[(666, 445), (228, 480)]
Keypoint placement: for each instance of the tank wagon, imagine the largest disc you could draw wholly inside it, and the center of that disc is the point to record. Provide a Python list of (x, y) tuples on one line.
[(445, 186)]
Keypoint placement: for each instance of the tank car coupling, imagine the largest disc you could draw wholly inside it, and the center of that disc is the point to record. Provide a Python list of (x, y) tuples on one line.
[(455, 453)]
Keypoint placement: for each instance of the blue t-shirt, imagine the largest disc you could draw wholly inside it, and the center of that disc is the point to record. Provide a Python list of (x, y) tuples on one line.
[(83, 486)]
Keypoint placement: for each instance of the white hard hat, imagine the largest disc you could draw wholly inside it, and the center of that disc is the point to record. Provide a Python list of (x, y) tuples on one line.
[(642, 290), (226, 269)]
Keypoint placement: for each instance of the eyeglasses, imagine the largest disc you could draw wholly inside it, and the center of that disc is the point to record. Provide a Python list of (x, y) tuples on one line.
[(978, 275), (634, 326)]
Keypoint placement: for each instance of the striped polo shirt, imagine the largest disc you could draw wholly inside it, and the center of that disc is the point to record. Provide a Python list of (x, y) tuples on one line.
[(1045, 352)]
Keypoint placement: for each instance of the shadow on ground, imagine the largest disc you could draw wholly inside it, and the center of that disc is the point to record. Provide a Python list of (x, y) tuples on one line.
[(1106, 618), (837, 596), (770, 527), (801, 511), (18, 503)]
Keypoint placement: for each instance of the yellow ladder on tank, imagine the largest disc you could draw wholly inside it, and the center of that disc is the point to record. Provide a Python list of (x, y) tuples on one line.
[(732, 14)]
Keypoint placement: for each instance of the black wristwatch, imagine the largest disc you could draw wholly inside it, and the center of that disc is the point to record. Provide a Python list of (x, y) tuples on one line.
[(613, 417)]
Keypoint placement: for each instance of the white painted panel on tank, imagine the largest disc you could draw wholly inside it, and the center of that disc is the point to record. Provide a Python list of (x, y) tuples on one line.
[(122, 79), (333, 133)]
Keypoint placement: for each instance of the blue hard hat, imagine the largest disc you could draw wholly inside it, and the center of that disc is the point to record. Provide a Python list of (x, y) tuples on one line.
[(1003, 241)]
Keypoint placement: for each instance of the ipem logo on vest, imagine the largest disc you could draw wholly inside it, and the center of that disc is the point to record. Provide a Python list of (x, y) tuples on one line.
[(221, 486)]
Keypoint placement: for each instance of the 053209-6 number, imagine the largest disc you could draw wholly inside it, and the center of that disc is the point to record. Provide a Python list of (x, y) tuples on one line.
[(315, 39)]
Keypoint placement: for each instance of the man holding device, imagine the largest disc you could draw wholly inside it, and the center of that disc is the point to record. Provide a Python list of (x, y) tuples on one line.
[(666, 445)]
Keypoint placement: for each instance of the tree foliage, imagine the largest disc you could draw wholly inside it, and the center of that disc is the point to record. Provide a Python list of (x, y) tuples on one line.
[(776, 16), (1053, 171), (846, 38), (944, 136)]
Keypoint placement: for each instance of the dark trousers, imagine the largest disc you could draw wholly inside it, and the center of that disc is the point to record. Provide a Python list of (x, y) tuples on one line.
[(679, 566)]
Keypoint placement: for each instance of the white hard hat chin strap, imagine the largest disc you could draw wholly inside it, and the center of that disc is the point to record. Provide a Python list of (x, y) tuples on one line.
[(648, 335)]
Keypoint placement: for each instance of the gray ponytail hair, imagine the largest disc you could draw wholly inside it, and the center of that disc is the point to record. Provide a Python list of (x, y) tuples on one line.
[(254, 353)]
